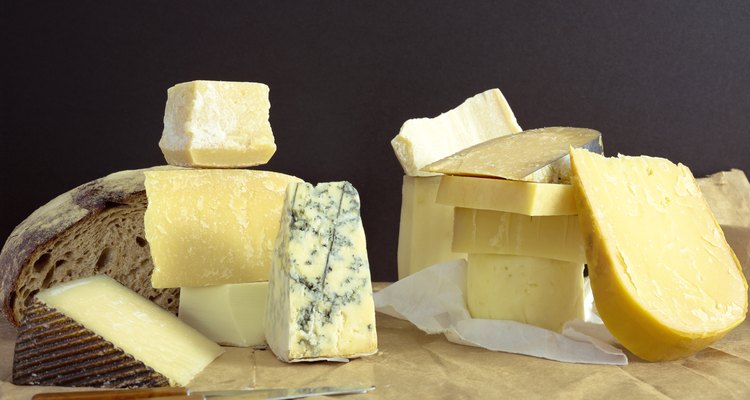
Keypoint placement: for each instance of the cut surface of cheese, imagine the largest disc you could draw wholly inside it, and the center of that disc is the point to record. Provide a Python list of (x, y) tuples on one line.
[(426, 228), (664, 279), (528, 198), (134, 324), (536, 291), (496, 232), (217, 124), (538, 155), (422, 141), (320, 286), (229, 314), (212, 227)]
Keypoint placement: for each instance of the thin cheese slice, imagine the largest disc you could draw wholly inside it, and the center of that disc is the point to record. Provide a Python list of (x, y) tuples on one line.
[(422, 141), (665, 281), (528, 198)]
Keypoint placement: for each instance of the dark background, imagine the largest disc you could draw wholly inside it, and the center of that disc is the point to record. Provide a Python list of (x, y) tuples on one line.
[(84, 83)]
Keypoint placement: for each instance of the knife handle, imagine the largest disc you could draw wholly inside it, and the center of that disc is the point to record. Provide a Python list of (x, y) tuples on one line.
[(119, 394)]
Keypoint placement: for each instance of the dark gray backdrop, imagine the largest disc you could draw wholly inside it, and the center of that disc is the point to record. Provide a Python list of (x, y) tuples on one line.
[(84, 83)]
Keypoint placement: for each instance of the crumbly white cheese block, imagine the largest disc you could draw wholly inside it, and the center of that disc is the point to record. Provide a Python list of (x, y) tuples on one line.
[(664, 279), (496, 232), (422, 141), (538, 155), (536, 291), (217, 124), (528, 198), (320, 294), (135, 325), (230, 314), (212, 227), (426, 228)]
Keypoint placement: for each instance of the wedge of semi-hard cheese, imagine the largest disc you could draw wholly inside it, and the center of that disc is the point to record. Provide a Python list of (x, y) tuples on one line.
[(320, 287), (528, 198), (426, 228), (496, 232), (96, 332), (422, 141), (538, 155), (229, 314), (212, 227), (665, 282), (536, 291), (217, 124)]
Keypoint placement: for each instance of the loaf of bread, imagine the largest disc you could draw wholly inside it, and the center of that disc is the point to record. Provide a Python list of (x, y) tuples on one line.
[(96, 228)]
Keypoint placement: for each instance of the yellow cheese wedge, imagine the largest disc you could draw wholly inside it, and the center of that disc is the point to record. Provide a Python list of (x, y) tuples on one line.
[(536, 291), (528, 198), (665, 281), (135, 325), (496, 232), (426, 228), (217, 124), (229, 314), (212, 227)]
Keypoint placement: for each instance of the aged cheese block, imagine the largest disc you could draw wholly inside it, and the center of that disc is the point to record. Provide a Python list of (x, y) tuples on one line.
[(422, 141), (519, 197), (665, 281), (532, 290), (212, 227), (320, 287), (538, 155), (497, 232), (229, 314), (426, 228), (217, 124), (130, 323)]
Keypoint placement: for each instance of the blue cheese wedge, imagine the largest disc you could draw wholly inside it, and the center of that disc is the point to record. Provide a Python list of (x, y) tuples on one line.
[(320, 304)]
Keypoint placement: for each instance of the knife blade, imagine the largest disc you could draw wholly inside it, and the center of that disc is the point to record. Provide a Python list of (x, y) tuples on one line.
[(181, 393)]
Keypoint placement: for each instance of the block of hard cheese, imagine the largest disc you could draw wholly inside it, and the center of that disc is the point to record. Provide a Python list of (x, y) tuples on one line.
[(496, 232), (426, 228), (528, 198), (664, 279), (212, 227), (320, 302), (230, 314), (538, 155), (122, 330), (422, 141), (217, 124), (536, 291)]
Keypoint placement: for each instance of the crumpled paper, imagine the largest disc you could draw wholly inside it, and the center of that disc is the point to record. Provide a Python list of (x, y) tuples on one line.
[(433, 299)]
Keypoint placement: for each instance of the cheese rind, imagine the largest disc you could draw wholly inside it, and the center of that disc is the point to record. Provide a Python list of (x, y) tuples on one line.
[(217, 124), (426, 227), (135, 325), (496, 232), (320, 285), (536, 291), (528, 198), (231, 314), (665, 281), (422, 141), (212, 227)]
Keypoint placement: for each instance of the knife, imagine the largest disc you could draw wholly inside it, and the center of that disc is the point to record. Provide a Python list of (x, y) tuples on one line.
[(181, 393)]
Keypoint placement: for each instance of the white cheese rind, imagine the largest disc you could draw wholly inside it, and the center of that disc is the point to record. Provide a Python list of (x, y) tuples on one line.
[(320, 284)]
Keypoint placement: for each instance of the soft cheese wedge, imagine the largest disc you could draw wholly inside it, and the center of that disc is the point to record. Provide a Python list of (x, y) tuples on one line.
[(120, 321), (665, 281), (422, 141), (320, 294)]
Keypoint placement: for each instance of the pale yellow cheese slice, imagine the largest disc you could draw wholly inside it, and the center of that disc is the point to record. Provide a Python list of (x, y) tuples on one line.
[(529, 198), (217, 124), (135, 325), (214, 226), (665, 281)]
